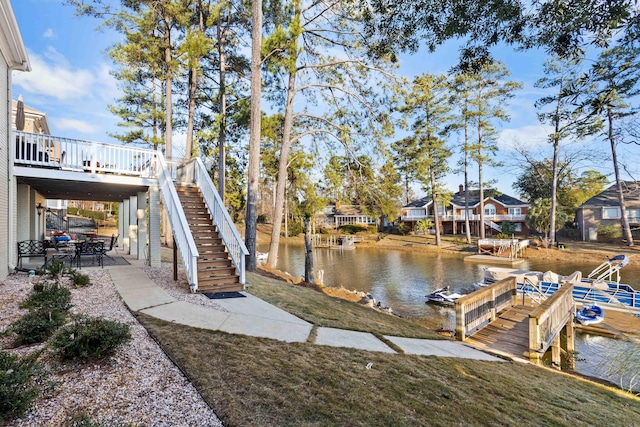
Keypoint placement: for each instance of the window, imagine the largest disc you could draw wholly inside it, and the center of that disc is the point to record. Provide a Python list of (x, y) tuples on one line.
[(515, 211), (489, 210), (611, 213), (633, 215), (517, 227), (416, 213)]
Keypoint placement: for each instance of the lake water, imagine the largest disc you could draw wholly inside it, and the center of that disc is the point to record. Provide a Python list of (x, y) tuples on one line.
[(400, 279)]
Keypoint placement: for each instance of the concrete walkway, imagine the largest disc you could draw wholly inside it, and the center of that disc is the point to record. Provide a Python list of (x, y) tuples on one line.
[(254, 317)]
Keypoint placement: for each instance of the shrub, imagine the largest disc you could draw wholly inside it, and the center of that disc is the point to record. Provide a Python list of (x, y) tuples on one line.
[(47, 295), (89, 338), (56, 268), (85, 420), (424, 224), (295, 228), (79, 280), (262, 219), (17, 389), (37, 325), (609, 231), (352, 229), (404, 228), (503, 236)]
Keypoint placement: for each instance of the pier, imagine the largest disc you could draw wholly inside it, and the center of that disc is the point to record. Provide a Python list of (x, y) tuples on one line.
[(494, 318)]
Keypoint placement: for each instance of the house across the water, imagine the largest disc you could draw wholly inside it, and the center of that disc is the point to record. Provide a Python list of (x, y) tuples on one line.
[(499, 208)]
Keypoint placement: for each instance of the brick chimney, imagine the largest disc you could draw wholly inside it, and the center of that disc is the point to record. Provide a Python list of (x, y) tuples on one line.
[(461, 190)]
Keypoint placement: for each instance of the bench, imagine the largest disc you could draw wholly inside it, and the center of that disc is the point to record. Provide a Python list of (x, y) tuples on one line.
[(93, 249), (31, 249)]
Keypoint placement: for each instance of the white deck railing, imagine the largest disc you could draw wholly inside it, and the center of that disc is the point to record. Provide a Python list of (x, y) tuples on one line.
[(181, 233), (460, 217), (83, 156), (195, 171)]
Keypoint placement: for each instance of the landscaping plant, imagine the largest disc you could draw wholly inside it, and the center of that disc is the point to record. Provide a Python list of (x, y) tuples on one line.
[(88, 338)]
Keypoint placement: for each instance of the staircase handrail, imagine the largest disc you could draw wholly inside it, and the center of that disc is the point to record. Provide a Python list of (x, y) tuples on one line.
[(181, 233), (227, 229)]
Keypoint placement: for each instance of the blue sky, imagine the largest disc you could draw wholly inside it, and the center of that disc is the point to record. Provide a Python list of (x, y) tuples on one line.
[(70, 82)]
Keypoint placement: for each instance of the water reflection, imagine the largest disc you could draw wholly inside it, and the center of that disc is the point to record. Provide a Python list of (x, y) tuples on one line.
[(401, 279)]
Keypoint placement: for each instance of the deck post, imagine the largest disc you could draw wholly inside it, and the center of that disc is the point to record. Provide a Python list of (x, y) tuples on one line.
[(570, 344), (460, 327), (556, 353)]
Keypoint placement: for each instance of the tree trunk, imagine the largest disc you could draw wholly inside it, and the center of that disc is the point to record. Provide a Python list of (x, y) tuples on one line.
[(554, 176), (167, 96), (254, 134), (436, 216), (308, 253), (481, 189), (282, 172), (467, 223), (623, 210), (222, 133)]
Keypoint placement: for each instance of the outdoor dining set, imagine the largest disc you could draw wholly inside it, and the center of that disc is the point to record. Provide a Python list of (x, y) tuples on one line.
[(66, 249)]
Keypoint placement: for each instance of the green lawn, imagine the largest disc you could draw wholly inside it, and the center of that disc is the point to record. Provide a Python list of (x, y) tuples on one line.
[(261, 382)]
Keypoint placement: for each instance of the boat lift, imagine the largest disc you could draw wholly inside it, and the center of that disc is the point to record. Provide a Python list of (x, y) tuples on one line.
[(608, 269)]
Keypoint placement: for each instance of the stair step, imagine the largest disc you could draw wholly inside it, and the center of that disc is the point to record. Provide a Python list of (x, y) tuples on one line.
[(232, 287), (215, 272), (210, 256), (212, 263), (218, 280), (204, 249)]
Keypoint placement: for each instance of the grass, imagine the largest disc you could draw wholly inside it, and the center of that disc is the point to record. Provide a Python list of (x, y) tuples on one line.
[(325, 311), (256, 381)]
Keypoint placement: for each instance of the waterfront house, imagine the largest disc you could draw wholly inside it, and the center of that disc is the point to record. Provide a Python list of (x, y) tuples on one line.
[(36, 167), (604, 209), (498, 209)]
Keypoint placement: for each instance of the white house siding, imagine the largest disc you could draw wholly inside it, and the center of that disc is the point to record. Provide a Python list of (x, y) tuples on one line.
[(5, 134)]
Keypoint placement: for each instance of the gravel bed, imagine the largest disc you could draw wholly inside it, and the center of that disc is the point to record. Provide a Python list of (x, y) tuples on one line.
[(138, 385)]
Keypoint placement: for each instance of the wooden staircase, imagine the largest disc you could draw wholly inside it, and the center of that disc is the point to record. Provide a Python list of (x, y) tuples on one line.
[(216, 272)]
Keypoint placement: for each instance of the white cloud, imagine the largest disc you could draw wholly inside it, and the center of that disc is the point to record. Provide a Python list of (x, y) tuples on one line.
[(56, 78), (531, 136), (49, 34), (75, 125)]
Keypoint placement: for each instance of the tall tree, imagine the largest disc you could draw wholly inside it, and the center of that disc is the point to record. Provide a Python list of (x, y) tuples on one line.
[(427, 106), (616, 75), (250, 235), (562, 27), (461, 96), (561, 76), (315, 54), (489, 93), (406, 155)]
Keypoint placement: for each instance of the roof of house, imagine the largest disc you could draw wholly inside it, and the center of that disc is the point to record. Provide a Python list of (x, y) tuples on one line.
[(609, 197), (474, 199), (420, 203)]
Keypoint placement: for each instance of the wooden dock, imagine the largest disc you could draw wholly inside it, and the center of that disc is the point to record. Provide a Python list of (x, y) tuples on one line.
[(490, 259), (507, 335), (494, 318)]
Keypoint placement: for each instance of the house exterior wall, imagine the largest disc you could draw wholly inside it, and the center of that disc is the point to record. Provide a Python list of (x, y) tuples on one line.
[(5, 135), (589, 218)]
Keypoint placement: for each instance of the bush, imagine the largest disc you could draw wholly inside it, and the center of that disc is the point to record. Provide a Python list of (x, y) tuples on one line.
[(89, 338), (17, 391), (295, 228), (56, 268), (262, 219), (404, 228), (48, 296), (503, 236), (37, 325), (79, 280), (609, 232), (352, 229)]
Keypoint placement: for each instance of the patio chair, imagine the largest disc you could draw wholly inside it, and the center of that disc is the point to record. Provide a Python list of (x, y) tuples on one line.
[(114, 239), (93, 249)]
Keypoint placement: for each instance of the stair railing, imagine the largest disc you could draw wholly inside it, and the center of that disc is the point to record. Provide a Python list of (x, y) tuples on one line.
[(236, 248), (181, 233)]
